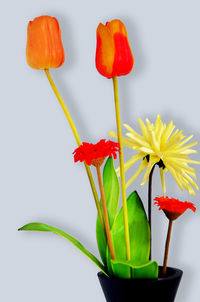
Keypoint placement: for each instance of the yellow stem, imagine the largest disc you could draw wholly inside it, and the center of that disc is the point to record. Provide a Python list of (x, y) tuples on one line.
[(105, 213), (64, 108), (122, 173), (71, 123)]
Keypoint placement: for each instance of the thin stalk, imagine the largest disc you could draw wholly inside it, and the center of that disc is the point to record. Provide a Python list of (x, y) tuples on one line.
[(164, 270), (150, 206), (122, 172), (105, 212), (71, 123)]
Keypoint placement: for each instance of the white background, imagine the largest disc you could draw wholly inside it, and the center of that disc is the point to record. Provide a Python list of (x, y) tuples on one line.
[(38, 179)]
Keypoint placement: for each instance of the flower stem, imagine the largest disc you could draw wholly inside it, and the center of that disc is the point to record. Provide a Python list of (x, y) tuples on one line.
[(122, 173), (105, 212), (150, 206), (71, 123), (164, 270)]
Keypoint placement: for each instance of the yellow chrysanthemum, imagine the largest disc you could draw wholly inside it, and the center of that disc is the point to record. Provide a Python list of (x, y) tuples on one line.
[(159, 145)]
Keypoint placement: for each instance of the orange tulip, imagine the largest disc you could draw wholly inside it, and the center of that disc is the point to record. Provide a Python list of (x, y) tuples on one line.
[(113, 52), (44, 47)]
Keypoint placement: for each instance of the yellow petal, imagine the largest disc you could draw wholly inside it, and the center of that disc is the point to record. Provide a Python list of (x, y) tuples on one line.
[(185, 141), (182, 165), (133, 132), (137, 140), (176, 155), (189, 151), (144, 129), (188, 187), (182, 173), (190, 180), (139, 171), (130, 162), (159, 132), (162, 176), (155, 144), (150, 126), (112, 134), (146, 150), (152, 162), (191, 161), (125, 141), (157, 123), (174, 174), (167, 132), (176, 137), (186, 147)]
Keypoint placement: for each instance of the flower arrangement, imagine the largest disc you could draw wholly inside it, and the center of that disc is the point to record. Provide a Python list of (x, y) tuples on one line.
[(123, 235)]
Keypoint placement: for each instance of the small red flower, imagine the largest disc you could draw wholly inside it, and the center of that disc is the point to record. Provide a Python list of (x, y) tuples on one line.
[(173, 206), (96, 153)]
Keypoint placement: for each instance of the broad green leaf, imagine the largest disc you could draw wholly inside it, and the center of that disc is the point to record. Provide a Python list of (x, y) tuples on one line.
[(139, 236), (36, 226), (112, 190), (148, 270)]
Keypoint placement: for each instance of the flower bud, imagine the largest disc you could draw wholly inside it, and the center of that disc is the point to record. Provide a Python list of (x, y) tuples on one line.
[(113, 52), (44, 47)]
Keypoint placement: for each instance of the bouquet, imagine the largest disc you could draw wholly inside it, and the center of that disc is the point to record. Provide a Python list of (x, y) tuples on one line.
[(123, 234)]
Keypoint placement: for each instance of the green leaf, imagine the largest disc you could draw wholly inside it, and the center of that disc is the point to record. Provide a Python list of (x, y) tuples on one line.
[(148, 270), (36, 226), (139, 236), (112, 191)]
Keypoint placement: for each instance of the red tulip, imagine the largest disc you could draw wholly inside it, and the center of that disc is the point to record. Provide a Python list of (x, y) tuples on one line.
[(113, 52)]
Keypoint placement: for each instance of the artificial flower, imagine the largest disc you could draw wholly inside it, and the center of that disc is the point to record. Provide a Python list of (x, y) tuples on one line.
[(113, 52), (94, 154), (44, 48), (159, 145), (173, 208), (173, 205)]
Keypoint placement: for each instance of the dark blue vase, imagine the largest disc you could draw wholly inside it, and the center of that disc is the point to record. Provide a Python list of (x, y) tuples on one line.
[(163, 289)]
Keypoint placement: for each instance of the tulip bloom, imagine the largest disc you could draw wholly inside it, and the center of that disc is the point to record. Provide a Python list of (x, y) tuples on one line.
[(113, 52), (44, 48)]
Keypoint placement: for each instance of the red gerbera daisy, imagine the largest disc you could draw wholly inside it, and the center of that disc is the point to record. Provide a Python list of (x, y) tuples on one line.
[(94, 154), (172, 207)]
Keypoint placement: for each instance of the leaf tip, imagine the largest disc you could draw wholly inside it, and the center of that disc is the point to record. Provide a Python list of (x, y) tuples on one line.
[(20, 229)]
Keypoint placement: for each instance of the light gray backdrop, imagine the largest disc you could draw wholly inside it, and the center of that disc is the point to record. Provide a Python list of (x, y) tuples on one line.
[(40, 182)]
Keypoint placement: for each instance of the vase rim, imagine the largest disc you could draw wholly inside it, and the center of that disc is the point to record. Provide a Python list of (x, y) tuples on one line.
[(172, 272)]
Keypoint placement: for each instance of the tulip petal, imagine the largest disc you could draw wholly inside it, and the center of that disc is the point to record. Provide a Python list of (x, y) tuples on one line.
[(105, 51)]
